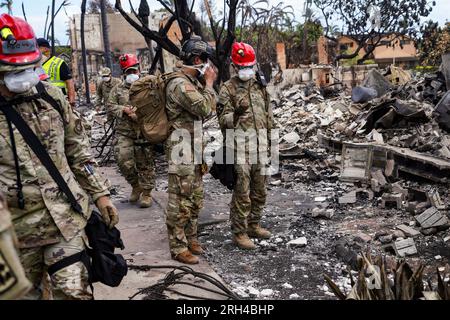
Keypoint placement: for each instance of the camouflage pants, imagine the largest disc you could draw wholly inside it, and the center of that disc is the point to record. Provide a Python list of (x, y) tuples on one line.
[(136, 162), (70, 283), (184, 205), (249, 197)]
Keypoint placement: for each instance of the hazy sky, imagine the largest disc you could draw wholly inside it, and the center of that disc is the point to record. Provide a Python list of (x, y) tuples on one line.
[(36, 12)]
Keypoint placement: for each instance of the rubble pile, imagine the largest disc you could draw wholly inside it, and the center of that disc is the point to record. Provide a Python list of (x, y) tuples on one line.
[(387, 152), (403, 117)]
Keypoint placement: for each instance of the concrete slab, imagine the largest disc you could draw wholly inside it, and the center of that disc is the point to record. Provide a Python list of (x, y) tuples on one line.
[(146, 243), (432, 217), (408, 231)]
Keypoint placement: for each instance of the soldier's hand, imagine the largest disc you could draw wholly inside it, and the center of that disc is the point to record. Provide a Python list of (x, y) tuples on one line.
[(127, 110), (242, 107), (108, 211), (133, 116), (210, 76)]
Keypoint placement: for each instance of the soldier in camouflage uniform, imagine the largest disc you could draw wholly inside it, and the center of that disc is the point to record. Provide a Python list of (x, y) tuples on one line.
[(245, 105), (104, 87), (134, 155), (47, 227), (187, 100)]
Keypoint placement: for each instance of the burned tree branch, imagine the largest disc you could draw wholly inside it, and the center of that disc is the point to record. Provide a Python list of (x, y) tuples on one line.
[(24, 13), (163, 41), (46, 22)]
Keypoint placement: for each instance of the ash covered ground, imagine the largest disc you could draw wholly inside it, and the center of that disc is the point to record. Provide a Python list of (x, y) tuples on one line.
[(326, 207)]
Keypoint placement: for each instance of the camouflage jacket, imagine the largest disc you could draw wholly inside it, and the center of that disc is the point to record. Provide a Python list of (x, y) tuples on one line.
[(118, 100), (104, 89), (187, 101), (47, 214), (244, 105)]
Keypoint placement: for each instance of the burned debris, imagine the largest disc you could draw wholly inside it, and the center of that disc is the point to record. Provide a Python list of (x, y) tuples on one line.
[(377, 278), (382, 156)]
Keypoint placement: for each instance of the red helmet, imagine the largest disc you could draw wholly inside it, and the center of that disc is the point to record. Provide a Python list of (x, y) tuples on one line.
[(243, 54), (128, 61), (18, 43)]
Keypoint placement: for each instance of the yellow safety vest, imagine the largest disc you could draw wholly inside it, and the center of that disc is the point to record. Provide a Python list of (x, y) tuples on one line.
[(52, 68)]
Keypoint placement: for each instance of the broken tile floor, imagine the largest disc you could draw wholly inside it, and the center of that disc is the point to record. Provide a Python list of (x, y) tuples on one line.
[(279, 268)]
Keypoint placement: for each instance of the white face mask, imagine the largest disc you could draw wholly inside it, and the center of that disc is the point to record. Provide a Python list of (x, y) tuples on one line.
[(131, 78), (20, 82), (246, 74), (106, 79), (201, 68)]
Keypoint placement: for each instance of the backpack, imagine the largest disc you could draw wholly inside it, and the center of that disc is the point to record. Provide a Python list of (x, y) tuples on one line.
[(148, 96)]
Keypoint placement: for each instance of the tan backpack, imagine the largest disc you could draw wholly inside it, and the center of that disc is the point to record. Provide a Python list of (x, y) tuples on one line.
[(149, 97)]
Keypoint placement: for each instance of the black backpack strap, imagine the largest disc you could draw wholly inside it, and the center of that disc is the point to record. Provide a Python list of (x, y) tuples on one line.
[(82, 256), (43, 94), (67, 261), (20, 198), (35, 144)]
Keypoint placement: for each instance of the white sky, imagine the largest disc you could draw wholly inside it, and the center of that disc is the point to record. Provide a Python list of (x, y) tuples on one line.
[(36, 12)]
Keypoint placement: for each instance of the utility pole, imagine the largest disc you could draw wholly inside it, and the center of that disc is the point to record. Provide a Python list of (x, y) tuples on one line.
[(83, 53), (105, 31), (53, 28)]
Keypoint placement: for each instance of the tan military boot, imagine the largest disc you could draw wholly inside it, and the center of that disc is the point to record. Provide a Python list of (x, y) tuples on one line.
[(255, 231), (146, 199), (195, 247), (135, 194), (243, 241), (186, 257)]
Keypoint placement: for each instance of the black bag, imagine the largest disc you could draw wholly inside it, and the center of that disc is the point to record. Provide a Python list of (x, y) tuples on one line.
[(223, 172), (101, 262), (106, 267)]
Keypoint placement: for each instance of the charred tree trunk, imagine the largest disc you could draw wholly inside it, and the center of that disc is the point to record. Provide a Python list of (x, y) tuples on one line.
[(105, 30), (46, 23), (182, 13), (83, 53), (53, 28), (144, 14)]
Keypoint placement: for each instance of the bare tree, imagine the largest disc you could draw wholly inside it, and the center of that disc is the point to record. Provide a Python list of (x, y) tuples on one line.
[(47, 35), (8, 4), (261, 24), (83, 53), (53, 27), (182, 12), (105, 31), (24, 13)]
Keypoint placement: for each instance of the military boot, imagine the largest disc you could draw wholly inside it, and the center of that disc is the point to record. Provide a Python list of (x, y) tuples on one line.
[(186, 257), (146, 199), (255, 231), (135, 194), (243, 241), (195, 247)]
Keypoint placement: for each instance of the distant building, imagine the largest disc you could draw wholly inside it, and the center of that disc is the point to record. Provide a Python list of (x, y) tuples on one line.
[(347, 44), (400, 51)]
